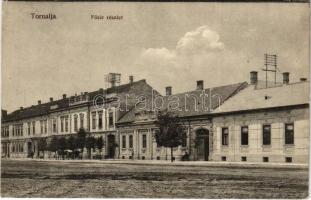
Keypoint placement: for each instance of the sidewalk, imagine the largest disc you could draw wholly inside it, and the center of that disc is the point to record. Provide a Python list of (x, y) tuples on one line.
[(176, 163)]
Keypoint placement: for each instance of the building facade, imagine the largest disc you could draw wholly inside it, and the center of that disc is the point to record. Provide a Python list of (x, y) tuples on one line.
[(244, 122), (95, 112)]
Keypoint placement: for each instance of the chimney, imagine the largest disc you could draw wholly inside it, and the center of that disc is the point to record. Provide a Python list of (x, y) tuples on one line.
[(200, 85), (21, 108), (131, 79), (64, 96), (254, 77), (303, 79), (168, 90), (51, 99), (39, 102), (285, 77)]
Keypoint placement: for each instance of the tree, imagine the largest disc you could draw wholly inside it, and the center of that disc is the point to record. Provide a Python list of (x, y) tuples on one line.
[(99, 143), (42, 145), (53, 146), (171, 133), (70, 143), (80, 140), (90, 144), (62, 145)]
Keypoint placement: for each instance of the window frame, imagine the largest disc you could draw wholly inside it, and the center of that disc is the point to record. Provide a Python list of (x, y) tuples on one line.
[(93, 120), (123, 141), (292, 142), (144, 141), (225, 136), (263, 135), (243, 143), (100, 119), (75, 122), (131, 141), (110, 119)]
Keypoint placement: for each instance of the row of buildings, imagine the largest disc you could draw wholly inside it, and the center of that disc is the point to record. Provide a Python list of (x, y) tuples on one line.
[(248, 122)]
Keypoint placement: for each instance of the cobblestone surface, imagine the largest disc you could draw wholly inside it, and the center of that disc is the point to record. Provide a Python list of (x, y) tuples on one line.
[(100, 179)]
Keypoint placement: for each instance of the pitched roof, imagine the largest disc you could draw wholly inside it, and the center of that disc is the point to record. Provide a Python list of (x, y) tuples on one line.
[(186, 104), (45, 108), (253, 98), (36, 110)]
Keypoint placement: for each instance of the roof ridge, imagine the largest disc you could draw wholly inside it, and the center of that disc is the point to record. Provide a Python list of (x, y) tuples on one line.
[(208, 88), (67, 98)]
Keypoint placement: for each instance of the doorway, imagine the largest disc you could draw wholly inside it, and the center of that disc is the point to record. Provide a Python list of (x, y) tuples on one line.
[(111, 146), (29, 149), (202, 139)]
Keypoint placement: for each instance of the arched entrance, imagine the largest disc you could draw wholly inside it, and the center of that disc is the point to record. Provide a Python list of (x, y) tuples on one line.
[(111, 146), (202, 144)]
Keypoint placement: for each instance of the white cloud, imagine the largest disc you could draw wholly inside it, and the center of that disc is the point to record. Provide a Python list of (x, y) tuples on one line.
[(201, 40), (158, 53), (199, 54)]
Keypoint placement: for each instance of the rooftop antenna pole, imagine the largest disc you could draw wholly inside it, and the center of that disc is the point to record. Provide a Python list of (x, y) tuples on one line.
[(270, 61)]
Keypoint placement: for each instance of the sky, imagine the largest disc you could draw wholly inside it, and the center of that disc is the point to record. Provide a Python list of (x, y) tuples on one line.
[(168, 44)]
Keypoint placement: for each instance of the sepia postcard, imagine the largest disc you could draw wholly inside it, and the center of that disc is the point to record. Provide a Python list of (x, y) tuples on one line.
[(111, 99)]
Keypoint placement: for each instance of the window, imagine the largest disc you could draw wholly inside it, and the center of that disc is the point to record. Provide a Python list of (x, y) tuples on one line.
[(66, 124), (266, 137), (45, 126), (93, 120), (75, 122), (41, 126), (243, 158), (130, 141), (288, 159), (61, 124), (54, 125), (289, 133), (244, 135), (100, 119), (33, 127), (110, 119), (225, 136), (123, 141), (81, 120), (265, 159), (28, 127), (223, 158), (144, 141)]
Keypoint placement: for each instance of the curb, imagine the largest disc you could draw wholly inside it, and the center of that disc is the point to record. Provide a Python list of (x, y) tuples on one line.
[(178, 163)]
